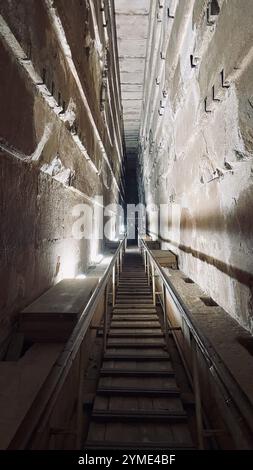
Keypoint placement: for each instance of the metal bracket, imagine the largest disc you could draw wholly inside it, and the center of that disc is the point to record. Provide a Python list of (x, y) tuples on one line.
[(194, 60), (224, 83), (206, 107), (213, 95), (169, 14), (158, 16)]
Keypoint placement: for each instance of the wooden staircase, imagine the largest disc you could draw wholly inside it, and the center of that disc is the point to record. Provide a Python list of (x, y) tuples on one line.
[(138, 403)]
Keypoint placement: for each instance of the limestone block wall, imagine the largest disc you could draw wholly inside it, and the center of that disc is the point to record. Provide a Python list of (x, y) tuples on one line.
[(60, 140), (197, 143)]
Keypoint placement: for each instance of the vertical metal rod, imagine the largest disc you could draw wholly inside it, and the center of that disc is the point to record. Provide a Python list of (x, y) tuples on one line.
[(121, 261), (118, 269), (197, 396), (105, 316), (125, 243), (153, 284), (145, 260), (113, 286), (148, 271), (79, 413), (165, 315)]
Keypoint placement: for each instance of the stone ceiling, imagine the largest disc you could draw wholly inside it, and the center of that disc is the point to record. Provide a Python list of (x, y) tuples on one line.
[(132, 20)]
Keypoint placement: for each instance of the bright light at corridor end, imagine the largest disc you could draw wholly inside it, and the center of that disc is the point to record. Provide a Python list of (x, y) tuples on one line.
[(81, 276)]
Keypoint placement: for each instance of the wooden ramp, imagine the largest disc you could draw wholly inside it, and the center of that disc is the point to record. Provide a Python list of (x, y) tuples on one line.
[(138, 403)]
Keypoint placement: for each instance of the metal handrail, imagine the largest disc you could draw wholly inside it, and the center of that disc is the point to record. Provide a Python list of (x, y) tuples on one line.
[(42, 407), (234, 397)]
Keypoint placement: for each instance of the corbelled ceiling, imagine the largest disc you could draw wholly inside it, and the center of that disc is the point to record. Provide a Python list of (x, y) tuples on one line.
[(132, 20)]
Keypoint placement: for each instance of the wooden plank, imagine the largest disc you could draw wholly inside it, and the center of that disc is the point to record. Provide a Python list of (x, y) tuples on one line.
[(138, 382), (139, 416), (135, 300), (133, 356), (104, 372), (134, 317), (137, 445), (136, 342), (138, 392), (130, 311), (138, 365), (140, 332), (144, 352), (135, 324), (135, 306)]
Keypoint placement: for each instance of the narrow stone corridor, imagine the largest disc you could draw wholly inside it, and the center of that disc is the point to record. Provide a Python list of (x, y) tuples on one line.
[(126, 196)]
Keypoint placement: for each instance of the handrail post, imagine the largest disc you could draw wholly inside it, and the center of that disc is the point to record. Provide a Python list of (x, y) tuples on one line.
[(121, 261), (197, 396), (113, 286), (105, 315), (145, 260), (148, 269), (118, 270), (153, 284), (165, 314)]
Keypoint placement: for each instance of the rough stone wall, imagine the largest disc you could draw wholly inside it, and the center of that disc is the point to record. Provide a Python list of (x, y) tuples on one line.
[(60, 139), (197, 143)]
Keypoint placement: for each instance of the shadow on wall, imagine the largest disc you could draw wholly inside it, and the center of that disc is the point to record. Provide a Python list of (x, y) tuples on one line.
[(237, 225), (240, 275)]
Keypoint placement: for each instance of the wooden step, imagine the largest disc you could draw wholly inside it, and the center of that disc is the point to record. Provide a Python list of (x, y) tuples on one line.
[(134, 306), (137, 365), (134, 289), (134, 318), (134, 282), (143, 416), (174, 433), (137, 352), (141, 357), (135, 272), (139, 333), (130, 382), (105, 372), (135, 334), (133, 278), (135, 285), (136, 342), (137, 309), (138, 403), (137, 445), (135, 324), (134, 292), (121, 298), (138, 392)]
